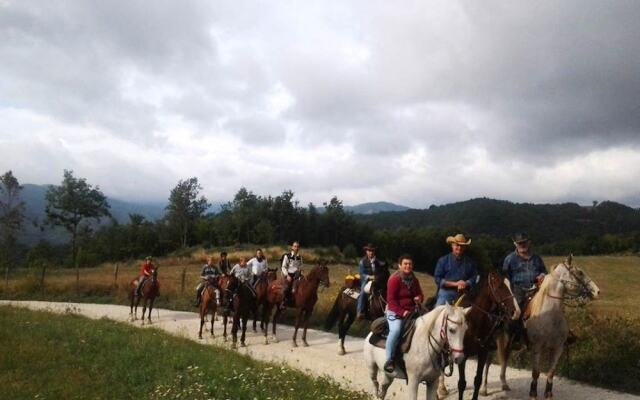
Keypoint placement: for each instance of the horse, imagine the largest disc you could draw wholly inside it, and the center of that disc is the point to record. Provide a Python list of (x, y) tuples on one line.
[(150, 290), (208, 304), (345, 307), (304, 300), (492, 308), (244, 303), (262, 287), (438, 332)]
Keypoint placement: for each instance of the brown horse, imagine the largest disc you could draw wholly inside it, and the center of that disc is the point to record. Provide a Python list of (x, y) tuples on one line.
[(243, 303), (209, 304), (344, 307), (262, 287), (150, 290), (304, 300), (493, 307)]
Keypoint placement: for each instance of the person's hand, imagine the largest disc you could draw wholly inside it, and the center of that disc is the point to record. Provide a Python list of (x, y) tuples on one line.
[(405, 313), (288, 278), (539, 279), (462, 285), (416, 300)]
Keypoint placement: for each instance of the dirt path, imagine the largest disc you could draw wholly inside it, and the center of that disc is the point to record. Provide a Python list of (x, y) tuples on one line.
[(321, 357)]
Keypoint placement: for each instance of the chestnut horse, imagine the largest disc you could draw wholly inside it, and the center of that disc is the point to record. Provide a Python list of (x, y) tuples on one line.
[(150, 291), (261, 287), (490, 311), (209, 304), (344, 308), (304, 300)]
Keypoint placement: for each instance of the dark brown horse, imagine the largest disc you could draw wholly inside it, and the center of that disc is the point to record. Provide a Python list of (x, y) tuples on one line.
[(304, 300), (490, 311), (262, 287), (209, 304), (243, 304), (345, 307), (150, 290)]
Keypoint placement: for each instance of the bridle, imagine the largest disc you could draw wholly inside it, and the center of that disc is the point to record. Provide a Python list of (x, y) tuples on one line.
[(444, 354), (582, 294), (499, 317)]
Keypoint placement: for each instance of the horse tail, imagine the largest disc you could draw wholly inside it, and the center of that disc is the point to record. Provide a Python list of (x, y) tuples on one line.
[(332, 318)]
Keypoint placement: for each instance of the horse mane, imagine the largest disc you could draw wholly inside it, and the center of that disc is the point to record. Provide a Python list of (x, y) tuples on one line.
[(539, 297), (429, 319)]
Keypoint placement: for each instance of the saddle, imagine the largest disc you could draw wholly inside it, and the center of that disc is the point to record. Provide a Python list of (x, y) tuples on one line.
[(380, 330), (351, 292)]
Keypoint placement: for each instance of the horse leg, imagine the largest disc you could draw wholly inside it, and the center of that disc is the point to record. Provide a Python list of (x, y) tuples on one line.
[(295, 332), (384, 386), (484, 389), (535, 373), (555, 357), (504, 351), (462, 381), (144, 309), (151, 301), (213, 318), (131, 310), (245, 320), (373, 375), (201, 323), (412, 389), (234, 329), (431, 391), (274, 322), (345, 328), (477, 381), (224, 324), (307, 316), (442, 388)]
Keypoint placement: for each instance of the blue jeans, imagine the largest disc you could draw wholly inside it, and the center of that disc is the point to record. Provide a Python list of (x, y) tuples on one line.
[(363, 297), (395, 331)]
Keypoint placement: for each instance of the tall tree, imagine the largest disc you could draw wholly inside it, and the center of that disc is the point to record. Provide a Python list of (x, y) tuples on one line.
[(11, 217), (72, 203), (185, 208)]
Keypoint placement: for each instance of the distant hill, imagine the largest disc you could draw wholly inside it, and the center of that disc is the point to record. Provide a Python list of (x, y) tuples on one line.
[(546, 223), (34, 198), (374, 208)]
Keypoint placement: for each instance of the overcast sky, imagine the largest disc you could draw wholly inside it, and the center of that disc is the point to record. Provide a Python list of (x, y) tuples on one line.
[(416, 103)]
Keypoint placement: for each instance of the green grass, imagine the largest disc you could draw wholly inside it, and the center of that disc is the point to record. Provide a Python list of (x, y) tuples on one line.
[(49, 356)]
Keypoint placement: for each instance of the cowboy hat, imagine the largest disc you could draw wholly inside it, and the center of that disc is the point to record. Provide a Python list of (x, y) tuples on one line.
[(369, 246), (459, 239)]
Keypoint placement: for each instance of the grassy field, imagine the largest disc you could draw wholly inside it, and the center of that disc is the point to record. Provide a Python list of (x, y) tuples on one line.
[(603, 326), (46, 356)]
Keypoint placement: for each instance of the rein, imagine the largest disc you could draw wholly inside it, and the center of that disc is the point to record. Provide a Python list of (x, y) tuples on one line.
[(444, 354), (583, 293)]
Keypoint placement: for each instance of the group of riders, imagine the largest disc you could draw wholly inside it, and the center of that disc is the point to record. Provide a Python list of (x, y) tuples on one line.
[(455, 273), (247, 273)]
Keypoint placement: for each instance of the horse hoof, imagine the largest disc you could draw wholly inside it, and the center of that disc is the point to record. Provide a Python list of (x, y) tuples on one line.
[(305, 344), (274, 339), (295, 344), (341, 351), (215, 319), (442, 392), (484, 392), (200, 337), (225, 339), (266, 341), (506, 387), (234, 346), (243, 344)]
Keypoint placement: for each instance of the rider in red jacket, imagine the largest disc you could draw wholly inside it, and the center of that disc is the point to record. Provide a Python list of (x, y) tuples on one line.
[(145, 272)]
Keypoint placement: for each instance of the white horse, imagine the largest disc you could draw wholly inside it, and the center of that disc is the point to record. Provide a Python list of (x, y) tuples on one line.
[(438, 331), (547, 327)]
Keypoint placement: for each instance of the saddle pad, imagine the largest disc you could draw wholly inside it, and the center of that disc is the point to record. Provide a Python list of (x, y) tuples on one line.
[(351, 293), (379, 339)]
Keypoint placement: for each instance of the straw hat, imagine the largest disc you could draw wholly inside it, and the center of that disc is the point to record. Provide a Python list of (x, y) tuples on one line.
[(459, 239)]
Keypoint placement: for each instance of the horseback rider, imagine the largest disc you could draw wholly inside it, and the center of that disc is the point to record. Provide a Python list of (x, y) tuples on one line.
[(258, 265), (367, 268), (224, 265), (210, 273), (455, 272), (291, 270), (404, 296), (243, 274), (525, 272), (145, 273)]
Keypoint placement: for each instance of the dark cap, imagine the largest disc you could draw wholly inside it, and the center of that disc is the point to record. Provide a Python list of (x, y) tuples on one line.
[(369, 246), (520, 237)]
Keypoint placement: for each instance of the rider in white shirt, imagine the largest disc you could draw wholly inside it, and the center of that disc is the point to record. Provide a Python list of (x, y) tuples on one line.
[(258, 265)]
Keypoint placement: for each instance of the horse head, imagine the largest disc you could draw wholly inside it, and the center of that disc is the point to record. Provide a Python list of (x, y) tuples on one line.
[(576, 282), (502, 296), (453, 329), (323, 274)]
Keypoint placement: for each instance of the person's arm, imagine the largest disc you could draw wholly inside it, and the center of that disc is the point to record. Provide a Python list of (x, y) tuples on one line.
[(541, 269), (285, 264), (473, 274), (439, 273), (363, 275), (419, 294), (393, 286), (506, 267)]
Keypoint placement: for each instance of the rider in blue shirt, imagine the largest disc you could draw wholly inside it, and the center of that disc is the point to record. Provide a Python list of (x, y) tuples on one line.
[(455, 271), (523, 268)]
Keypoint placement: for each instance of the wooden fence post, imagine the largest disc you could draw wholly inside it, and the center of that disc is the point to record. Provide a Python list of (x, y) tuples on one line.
[(44, 272), (115, 275), (184, 275)]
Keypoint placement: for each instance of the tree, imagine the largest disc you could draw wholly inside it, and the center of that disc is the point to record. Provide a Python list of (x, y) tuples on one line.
[(185, 208), (11, 217), (71, 204)]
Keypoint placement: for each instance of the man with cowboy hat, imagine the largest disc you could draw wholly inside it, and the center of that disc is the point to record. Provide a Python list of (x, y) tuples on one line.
[(523, 268), (455, 271), (367, 268)]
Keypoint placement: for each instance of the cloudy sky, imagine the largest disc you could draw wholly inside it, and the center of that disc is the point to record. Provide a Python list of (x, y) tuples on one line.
[(417, 103)]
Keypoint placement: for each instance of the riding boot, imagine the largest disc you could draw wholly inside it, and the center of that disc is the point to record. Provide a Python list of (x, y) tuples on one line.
[(198, 299)]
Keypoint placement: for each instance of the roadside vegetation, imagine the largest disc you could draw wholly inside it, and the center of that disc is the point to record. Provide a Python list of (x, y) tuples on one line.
[(47, 356)]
